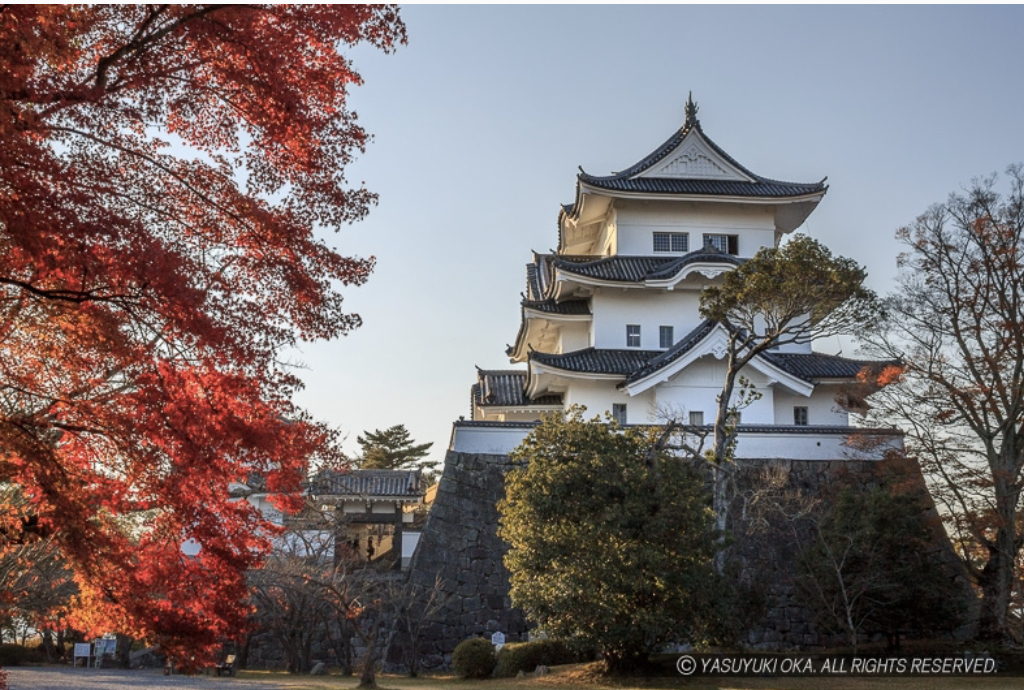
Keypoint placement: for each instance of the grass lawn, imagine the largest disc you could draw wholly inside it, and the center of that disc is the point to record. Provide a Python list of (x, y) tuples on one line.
[(587, 677)]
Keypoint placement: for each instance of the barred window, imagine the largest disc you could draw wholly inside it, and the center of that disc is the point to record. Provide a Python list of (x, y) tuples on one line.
[(619, 413), (632, 336), (697, 418), (671, 242), (800, 416), (665, 337)]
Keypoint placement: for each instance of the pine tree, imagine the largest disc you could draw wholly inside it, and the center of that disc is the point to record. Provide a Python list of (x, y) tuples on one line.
[(392, 449)]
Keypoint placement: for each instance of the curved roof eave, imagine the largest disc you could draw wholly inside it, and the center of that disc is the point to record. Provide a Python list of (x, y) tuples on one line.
[(759, 186), (639, 271), (815, 194)]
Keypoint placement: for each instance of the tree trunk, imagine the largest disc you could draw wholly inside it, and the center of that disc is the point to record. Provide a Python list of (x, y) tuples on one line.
[(124, 651), (343, 648), (307, 651), (414, 653), (720, 498), (242, 651), (48, 646), (997, 577), (625, 662), (369, 676)]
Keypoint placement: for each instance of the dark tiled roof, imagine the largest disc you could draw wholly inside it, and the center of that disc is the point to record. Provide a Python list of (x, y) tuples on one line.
[(706, 254), (816, 365), (534, 288), (675, 352), (636, 269), (504, 388), (743, 428), (574, 307), (499, 425), (760, 187), (594, 361), (368, 483), (666, 185)]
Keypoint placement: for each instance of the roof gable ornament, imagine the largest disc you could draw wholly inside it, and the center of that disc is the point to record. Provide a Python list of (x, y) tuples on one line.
[(691, 111), (693, 157), (695, 160)]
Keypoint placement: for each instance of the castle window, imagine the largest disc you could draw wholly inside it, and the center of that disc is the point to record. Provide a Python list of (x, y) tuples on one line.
[(619, 413), (800, 416), (633, 336), (665, 337), (696, 418), (728, 244), (671, 242)]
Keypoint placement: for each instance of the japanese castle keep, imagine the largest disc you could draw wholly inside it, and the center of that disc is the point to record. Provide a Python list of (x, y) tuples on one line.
[(610, 321)]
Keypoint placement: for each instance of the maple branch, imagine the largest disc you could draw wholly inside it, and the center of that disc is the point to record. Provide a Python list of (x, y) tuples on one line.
[(74, 296), (157, 164), (139, 43)]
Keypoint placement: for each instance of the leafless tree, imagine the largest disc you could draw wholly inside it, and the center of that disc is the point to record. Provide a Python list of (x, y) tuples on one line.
[(956, 322)]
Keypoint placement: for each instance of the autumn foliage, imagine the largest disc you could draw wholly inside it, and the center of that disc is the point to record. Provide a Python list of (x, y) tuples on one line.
[(162, 171)]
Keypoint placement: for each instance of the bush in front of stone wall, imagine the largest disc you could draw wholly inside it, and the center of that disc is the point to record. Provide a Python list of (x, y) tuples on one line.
[(16, 655), (527, 656), (474, 658)]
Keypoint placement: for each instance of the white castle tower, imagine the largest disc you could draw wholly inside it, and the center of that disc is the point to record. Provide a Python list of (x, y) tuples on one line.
[(611, 319)]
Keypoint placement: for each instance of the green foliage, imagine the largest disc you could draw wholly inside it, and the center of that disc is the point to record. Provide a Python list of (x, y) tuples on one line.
[(872, 568), (527, 656), (610, 541), (474, 658), (391, 449), (795, 292)]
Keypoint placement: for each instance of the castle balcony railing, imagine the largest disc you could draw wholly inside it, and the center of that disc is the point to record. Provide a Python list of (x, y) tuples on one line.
[(755, 441)]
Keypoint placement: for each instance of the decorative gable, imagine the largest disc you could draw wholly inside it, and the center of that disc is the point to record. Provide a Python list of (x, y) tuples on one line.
[(694, 159), (710, 338)]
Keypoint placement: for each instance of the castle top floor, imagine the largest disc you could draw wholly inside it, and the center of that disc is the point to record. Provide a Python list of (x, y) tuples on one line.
[(684, 195)]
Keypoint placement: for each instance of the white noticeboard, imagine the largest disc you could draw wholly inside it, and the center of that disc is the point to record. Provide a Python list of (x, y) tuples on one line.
[(498, 640), (82, 649)]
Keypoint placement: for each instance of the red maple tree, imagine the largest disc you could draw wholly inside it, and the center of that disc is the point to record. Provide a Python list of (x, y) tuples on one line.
[(162, 171)]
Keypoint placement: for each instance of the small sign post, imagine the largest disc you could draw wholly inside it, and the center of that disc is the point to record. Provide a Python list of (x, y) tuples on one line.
[(498, 640), (82, 649)]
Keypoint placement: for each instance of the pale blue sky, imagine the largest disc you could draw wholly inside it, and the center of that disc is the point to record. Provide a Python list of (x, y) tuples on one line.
[(481, 121)]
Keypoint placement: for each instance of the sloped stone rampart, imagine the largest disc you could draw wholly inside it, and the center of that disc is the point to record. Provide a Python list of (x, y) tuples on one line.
[(767, 549), (460, 543)]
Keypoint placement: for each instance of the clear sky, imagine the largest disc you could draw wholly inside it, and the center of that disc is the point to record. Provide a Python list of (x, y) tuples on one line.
[(481, 121)]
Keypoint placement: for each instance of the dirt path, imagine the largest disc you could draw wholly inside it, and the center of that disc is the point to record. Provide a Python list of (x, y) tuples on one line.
[(57, 678)]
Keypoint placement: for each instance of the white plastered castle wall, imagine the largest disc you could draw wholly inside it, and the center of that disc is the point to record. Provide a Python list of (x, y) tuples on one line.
[(637, 221), (614, 308), (822, 408), (573, 336), (599, 396), (696, 389)]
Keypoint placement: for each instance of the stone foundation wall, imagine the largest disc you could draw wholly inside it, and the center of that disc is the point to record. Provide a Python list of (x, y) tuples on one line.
[(459, 542), (766, 546)]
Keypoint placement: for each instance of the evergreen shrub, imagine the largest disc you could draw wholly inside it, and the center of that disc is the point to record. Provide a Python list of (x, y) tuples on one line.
[(527, 656), (474, 658)]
